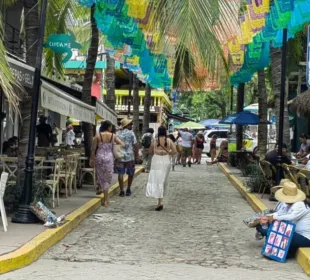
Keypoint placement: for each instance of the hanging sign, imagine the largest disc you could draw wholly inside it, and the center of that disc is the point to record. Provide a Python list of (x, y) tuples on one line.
[(308, 58), (62, 44), (23, 73)]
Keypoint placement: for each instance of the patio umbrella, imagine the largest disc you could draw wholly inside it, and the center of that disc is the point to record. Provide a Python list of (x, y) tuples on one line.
[(191, 125), (242, 118), (209, 122)]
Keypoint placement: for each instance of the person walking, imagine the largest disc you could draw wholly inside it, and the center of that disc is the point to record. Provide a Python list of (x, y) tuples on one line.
[(55, 133), (147, 140), (198, 146), (102, 158), (187, 146), (213, 147), (127, 164), (162, 148)]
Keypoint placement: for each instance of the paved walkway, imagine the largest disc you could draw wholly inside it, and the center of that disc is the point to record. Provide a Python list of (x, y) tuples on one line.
[(199, 235)]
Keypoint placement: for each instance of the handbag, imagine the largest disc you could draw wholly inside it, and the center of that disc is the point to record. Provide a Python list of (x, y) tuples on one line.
[(118, 151)]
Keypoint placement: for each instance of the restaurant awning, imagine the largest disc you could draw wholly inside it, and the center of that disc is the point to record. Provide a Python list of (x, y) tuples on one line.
[(105, 112), (56, 100)]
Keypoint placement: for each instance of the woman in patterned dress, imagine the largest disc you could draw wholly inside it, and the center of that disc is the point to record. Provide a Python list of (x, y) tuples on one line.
[(102, 158)]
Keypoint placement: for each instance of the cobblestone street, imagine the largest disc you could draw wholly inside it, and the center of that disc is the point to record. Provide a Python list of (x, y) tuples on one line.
[(199, 235)]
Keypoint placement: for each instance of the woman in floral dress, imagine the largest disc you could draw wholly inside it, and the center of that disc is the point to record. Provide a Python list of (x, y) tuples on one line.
[(102, 158)]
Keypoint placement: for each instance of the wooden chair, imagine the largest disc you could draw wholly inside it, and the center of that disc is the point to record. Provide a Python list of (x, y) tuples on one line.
[(65, 174), (269, 172), (54, 183), (91, 171), (10, 166), (303, 178), (3, 184), (73, 173), (290, 172)]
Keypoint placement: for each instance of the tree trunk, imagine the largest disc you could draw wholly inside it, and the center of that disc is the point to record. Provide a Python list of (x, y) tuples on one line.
[(262, 112), (276, 58), (147, 105), (136, 103), (88, 80), (32, 30), (110, 83)]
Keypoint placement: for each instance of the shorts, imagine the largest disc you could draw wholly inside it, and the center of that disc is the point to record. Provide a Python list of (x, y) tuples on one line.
[(125, 167), (187, 151)]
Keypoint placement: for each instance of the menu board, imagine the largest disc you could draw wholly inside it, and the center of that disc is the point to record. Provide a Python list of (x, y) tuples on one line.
[(278, 240)]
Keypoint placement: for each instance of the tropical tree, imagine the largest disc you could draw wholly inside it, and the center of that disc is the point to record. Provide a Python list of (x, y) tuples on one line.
[(147, 105), (136, 103), (88, 79), (7, 80), (262, 112), (110, 82)]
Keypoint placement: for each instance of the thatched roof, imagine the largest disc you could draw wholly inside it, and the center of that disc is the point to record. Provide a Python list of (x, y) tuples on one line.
[(301, 104)]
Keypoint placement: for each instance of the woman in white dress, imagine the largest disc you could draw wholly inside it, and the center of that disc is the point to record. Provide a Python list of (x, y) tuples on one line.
[(162, 148)]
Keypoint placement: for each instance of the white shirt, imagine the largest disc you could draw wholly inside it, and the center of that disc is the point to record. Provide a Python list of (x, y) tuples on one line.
[(187, 139), (70, 136), (298, 214)]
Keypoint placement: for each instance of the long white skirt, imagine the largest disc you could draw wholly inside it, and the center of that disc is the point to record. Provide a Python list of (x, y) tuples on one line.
[(158, 176)]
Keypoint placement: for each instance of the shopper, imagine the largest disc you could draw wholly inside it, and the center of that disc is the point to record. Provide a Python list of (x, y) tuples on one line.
[(198, 147), (102, 158), (147, 140), (127, 164), (162, 148), (213, 147)]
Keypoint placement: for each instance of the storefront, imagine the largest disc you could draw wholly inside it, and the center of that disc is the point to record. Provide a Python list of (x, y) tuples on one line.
[(57, 105)]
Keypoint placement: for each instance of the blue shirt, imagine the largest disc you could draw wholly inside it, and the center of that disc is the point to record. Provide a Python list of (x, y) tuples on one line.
[(129, 139)]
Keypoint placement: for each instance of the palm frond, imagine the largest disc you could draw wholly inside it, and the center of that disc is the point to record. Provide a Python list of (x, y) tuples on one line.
[(8, 83)]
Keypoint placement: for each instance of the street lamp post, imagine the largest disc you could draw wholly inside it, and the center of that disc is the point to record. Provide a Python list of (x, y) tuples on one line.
[(282, 99), (24, 214)]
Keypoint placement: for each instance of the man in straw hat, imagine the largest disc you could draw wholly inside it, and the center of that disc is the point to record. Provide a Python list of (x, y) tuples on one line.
[(126, 165), (298, 213)]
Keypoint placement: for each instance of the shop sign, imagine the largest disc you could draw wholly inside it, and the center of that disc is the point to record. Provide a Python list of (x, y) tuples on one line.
[(104, 112), (62, 43), (153, 109), (23, 73), (58, 101)]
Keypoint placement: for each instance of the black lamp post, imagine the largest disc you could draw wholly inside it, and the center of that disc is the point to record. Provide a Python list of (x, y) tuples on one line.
[(282, 99), (24, 214), (231, 99)]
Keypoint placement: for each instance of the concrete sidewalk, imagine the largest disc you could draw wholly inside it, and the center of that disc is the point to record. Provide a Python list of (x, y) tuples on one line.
[(24, 243)]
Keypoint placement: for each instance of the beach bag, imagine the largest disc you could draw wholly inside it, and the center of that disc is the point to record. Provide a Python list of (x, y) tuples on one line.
[(118, 152), (147, 141)]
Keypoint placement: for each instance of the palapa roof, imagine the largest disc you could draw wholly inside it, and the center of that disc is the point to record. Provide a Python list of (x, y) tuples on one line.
[(301, 104)]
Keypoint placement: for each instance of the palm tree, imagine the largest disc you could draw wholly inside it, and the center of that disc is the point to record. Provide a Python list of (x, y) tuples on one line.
[(7, 80), (136, 103), (147, 105), (110, 83), (276, 58), (262, 112), (88, 79)]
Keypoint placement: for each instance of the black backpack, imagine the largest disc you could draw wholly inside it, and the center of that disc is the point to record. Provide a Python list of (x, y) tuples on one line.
[(147, 141)]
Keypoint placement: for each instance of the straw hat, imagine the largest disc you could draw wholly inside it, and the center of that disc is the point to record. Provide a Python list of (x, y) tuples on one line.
[(125, 122), (290, 193), (200, 132), (276, 188)]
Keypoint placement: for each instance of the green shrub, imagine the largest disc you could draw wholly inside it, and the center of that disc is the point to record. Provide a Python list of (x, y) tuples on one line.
[(255, 178)]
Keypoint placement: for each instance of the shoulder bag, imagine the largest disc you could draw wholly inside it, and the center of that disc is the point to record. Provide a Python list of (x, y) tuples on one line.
[(118, 150)]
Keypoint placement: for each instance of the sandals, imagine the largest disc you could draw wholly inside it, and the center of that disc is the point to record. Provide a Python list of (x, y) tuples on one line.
[(159, 208)]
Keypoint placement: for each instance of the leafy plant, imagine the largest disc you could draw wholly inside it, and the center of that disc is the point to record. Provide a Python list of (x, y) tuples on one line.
[(232, 159), (255, 178)]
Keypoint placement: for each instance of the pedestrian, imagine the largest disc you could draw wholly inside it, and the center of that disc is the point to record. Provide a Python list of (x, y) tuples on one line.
[(162, 148), (102, 158), (175, 156), (127, 164), (147, 140), (55, 133), (198, 146), (223, 154), (44, 132), (70, 136), (187, 146), (213, 147)]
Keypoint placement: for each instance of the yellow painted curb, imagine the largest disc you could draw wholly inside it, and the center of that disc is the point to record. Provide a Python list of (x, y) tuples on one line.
[(33, 249), (303, 254)]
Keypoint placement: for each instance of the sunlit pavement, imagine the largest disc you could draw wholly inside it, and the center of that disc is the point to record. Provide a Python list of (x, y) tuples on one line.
[(199, 235)]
